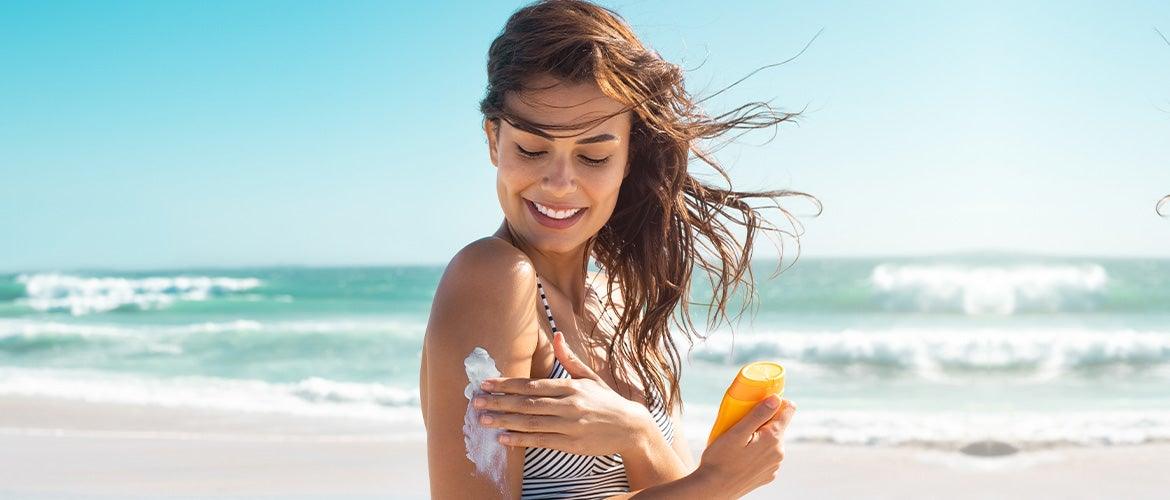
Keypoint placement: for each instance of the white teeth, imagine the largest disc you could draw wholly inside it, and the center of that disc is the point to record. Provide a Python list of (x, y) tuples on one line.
[(556, 214)]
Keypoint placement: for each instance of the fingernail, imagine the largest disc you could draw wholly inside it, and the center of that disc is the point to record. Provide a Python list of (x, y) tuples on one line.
[(485, 385), (772, 402), (479, 402), (485, 419), (504, 438)]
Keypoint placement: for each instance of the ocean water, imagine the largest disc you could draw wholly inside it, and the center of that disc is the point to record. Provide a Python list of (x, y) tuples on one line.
[(923, 352)]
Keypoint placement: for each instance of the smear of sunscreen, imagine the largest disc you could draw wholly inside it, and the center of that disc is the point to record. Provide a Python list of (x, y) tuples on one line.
[(483, 445)]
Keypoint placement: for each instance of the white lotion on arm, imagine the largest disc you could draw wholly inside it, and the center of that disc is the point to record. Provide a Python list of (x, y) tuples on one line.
[(483, 445)]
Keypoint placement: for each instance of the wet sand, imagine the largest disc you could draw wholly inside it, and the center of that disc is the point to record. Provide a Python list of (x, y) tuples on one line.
[(73, 449)]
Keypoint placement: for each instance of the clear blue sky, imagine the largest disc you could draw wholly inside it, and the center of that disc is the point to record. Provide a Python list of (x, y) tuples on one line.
[(160, 134)]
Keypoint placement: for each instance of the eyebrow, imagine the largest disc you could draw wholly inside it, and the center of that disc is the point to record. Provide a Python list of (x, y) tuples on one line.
[(587, 140)]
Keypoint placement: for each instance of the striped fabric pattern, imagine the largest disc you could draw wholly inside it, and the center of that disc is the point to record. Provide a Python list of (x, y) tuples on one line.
[(550, 473)]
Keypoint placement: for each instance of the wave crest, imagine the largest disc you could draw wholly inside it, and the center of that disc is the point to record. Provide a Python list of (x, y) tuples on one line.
[(1045, 354), (989, 290), (952, 430), (313, 396), (79, 295)]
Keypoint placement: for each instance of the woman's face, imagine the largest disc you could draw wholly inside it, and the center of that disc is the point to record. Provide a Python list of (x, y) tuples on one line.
[(558, 192)]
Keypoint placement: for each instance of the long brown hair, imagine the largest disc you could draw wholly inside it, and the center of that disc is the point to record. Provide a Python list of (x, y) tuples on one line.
[(663, 214)]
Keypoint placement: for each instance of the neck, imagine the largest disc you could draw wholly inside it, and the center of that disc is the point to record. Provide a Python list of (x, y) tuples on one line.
[(563, 270)]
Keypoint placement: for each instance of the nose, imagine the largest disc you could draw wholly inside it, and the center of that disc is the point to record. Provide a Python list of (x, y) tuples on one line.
[(561, 178)]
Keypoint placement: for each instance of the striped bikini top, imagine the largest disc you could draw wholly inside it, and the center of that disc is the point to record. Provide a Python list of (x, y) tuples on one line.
[(550, 473)]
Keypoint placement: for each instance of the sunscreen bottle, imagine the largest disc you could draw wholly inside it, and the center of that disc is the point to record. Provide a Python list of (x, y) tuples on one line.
[(754, 382)]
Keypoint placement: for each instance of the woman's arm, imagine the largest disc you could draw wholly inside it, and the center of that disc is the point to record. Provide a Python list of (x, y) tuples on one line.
[(484, 299), (745, 457), (696, 485), (655, 461), (652, 460), (679, 440)]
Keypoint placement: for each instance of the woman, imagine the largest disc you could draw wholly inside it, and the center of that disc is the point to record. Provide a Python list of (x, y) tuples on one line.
[(590, 134)]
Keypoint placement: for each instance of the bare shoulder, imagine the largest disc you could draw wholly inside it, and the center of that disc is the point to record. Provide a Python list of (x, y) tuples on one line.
[(493, 254), (485, 299), (486, 291)]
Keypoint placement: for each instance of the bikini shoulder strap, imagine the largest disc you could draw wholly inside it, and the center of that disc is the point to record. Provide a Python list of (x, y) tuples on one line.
[(547, 309)]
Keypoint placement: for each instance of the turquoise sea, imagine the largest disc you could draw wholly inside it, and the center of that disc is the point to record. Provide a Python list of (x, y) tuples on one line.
[(928, 352)]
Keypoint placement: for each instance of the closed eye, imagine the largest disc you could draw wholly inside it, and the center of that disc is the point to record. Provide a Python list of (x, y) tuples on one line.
[(530, 154), (592, 161), (537, 154)]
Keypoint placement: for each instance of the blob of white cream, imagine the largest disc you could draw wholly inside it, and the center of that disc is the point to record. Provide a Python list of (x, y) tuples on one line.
[(483, 445)]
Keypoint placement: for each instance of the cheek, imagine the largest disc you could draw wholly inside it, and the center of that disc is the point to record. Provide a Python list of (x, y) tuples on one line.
[(515, 170), (604, 192), (512, 178), (509, 178)]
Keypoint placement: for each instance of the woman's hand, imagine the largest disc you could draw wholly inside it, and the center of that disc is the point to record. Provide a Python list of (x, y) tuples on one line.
[(580, 415), (748, 455)]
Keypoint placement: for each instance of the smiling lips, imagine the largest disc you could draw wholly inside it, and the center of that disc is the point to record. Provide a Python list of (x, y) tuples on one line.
[(554, 217)]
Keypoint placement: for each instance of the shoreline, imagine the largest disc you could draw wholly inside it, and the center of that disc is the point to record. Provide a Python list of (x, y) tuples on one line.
[(56, 448)]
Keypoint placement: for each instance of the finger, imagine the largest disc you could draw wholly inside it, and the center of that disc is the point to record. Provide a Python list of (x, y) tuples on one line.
[(572, 363), (757, 417), (524, 404), (784, 412), (529, 386), (778, 424), (523, 423), (783, 418), (755, 436), (536, 440)]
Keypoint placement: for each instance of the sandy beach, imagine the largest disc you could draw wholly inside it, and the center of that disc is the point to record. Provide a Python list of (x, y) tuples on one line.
[(54, 448)]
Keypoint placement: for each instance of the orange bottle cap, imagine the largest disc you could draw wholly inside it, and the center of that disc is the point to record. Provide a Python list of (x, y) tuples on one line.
[(757, 380)]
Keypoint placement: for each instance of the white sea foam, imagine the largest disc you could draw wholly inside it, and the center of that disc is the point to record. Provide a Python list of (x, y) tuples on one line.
[(400, 404), (35, 331), (313, 396), (1043, 353), (18, 327), (989, 290), (88, 295), (239, 437), (952, 430)]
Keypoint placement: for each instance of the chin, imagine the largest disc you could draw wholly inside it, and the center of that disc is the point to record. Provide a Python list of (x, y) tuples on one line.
[(555, 243)]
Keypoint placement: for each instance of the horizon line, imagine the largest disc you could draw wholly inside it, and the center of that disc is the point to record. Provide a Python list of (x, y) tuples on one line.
[(767, 258)]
